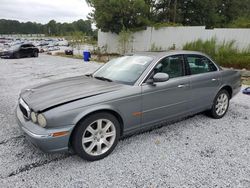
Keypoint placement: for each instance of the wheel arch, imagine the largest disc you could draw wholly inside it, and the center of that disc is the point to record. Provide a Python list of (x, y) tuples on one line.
[(84, 115), (229, 89)]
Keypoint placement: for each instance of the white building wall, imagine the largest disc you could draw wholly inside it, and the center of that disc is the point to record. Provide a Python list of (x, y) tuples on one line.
[(167, 36)]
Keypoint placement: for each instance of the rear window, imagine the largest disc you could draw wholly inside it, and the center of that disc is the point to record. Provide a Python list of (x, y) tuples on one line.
[(200, 64)]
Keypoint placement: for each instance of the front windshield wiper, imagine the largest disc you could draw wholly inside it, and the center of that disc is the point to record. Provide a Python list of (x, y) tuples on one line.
[(103, 78), (89, 75)]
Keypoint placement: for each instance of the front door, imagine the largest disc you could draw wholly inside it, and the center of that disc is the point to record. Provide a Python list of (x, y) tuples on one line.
[(23, 50), (166, 100)]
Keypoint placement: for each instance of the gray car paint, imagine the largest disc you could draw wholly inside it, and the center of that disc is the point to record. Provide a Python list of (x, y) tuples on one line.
[(65, 102), (42, 97), (165, 99), (204, 86)]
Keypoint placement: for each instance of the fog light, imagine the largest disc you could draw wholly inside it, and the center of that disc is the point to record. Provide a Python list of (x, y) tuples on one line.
[(33, 117), (41, 120)]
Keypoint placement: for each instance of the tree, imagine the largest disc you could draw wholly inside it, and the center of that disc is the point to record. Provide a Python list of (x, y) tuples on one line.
[(165, 11), (195, 12), (52, 28), (212, 13), (231, 10), (113, 15), (124, 39), (84, 26)]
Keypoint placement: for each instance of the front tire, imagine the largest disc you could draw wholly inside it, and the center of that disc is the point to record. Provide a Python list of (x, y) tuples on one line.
[(220, 105), (96, 136), (17, 55)]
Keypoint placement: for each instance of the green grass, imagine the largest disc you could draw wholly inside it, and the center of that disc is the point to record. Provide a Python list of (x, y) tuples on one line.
[(240, 22), (165, 24), (246, 81), (225, 54), (99, 58)]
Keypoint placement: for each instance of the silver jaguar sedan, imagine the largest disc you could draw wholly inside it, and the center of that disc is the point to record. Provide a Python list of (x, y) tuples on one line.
[(88, 114)]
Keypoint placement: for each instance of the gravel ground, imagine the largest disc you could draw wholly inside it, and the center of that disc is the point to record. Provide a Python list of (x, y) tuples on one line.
[(196, 152)]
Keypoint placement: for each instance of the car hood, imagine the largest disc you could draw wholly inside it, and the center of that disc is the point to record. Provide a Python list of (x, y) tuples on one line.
[(45, 96)]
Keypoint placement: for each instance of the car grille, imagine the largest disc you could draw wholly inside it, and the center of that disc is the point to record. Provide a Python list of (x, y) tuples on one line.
[(24, 109)]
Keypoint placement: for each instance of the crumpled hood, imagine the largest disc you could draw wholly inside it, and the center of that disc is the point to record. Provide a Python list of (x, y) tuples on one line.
[(50, 94)]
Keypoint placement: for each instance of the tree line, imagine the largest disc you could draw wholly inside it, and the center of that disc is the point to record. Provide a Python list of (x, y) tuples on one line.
[(115, 15), (52, 28)]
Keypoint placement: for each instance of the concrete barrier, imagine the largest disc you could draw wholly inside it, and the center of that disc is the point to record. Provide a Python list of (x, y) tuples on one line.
[(166, 37)]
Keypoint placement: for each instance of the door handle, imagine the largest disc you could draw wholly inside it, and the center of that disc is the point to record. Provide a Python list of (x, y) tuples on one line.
[(182, 85), (214, 79)]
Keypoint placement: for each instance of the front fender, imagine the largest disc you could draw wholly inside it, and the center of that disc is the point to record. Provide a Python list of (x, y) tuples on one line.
[(95, 109)]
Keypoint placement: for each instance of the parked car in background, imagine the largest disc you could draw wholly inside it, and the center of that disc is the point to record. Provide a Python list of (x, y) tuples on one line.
[(63, 42), (69, 52), (52, 48), (131, 93), (19, 51), (41, 50)]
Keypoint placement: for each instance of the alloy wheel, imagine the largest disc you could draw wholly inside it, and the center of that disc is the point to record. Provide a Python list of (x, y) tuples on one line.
[(221, 104), (99, 137)]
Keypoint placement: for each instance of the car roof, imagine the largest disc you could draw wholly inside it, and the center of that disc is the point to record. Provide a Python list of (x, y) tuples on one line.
[(27, 43), (166, 53), (20, 44)]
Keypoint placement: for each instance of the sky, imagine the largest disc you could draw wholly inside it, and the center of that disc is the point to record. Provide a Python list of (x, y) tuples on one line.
[(42, 11)]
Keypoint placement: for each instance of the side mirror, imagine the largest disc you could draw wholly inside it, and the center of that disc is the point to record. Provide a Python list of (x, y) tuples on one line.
[(161, 77)]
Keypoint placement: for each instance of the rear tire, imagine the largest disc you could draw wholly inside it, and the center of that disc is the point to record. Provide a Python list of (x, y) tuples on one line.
[(96, 136), (220, 105)]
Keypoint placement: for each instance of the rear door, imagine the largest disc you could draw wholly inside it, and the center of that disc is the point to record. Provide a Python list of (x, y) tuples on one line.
[(166, 99), (204, 79)]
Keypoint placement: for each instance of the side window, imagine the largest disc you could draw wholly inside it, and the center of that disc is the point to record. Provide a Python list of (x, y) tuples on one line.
[(24, 46), (200, 64), (172, 65)]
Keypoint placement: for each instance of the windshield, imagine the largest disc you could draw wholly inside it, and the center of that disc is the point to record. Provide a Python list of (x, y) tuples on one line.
[(126, 69), (14, 47)]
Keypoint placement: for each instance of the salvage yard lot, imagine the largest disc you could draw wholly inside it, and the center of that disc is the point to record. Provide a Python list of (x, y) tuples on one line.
[(196, 152)]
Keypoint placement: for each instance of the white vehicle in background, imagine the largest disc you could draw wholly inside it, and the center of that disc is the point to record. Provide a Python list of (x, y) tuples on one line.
[(63, 43), (53, 48), (43, 44)]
